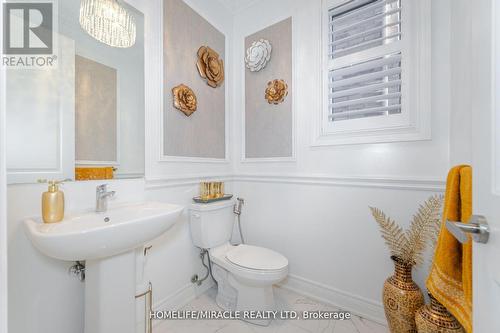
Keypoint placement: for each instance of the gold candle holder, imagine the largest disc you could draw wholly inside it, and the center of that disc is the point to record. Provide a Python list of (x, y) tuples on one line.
[(205, 190), (219, 190), (211, 190)]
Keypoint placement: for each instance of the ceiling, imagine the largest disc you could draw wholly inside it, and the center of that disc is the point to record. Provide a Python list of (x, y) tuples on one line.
[(236, 5)]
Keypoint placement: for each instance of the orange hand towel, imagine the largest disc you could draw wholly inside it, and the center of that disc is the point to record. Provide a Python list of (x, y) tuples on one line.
[(450, 280)]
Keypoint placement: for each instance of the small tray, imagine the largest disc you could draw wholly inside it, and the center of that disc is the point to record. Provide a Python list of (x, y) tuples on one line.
[(200, 200)]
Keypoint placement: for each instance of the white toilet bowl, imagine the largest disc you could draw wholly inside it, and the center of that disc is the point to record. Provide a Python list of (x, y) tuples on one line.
[(245, 276)]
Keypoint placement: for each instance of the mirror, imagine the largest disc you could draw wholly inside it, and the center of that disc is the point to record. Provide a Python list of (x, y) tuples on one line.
[(84, 117)]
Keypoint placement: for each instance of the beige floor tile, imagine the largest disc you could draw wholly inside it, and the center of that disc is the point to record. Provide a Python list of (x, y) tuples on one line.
[(189, 326), (345, 326), (286, 300), (367, 326)]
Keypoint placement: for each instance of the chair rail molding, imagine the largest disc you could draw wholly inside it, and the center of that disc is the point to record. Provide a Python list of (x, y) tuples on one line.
[(367, 181), (186, 180), (387, 182)]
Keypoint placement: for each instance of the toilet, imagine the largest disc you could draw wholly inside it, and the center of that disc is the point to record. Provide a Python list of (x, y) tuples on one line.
[(245, 274)]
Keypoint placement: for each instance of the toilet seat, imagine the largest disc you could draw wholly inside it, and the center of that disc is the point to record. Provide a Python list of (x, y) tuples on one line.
[(256, 258), (247, 288), (219, 255)]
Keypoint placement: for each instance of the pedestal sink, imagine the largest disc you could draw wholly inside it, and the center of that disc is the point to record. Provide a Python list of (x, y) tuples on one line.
[(107, 242)]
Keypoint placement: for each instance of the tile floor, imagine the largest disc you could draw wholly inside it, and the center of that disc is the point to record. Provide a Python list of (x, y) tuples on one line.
[(285, 300)]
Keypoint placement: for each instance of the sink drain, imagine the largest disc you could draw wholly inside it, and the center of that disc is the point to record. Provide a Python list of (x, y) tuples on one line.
[(106, 219)]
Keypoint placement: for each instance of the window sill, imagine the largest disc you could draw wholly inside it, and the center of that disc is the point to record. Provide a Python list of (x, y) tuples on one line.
[(401, 134)]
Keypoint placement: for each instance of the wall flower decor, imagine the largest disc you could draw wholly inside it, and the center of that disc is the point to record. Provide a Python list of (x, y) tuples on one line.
[(210, 66), (276, 91), (258, 55), (184, 99)]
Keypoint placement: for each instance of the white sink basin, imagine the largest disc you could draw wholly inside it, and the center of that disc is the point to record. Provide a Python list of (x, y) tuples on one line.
[(110, 243), (91, 235)]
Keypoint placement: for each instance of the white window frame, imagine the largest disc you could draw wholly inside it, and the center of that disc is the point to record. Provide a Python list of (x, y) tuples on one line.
[(414, 121)]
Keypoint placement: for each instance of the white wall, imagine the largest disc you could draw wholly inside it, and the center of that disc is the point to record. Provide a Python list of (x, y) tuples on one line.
[(40, 288), (173, 258), (3, 198), (43, 297), (315, 210), (3, 215), (422, 159), (47, 113), (461, 52)]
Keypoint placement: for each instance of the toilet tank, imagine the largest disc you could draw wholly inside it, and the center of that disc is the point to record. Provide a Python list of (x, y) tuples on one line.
[(211, 224)]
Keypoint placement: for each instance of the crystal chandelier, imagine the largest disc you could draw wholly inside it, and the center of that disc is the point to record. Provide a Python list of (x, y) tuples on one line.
[(108, 22)]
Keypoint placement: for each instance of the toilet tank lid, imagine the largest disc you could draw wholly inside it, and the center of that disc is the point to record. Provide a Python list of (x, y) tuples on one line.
[(199, 207), (255, 257)]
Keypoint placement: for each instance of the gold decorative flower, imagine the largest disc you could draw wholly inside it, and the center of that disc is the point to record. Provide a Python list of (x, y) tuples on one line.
[(210, 66), (184, 99), (276, 91)]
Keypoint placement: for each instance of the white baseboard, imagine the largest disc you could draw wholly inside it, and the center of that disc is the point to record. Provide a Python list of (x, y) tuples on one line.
[(181, 297), (355, 304)]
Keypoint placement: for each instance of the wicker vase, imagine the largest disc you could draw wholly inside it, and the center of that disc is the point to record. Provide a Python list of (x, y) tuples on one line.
[(402, 298), (435, 318)]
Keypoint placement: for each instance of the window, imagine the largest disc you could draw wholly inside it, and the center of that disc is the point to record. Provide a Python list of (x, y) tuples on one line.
[(371, 74), (372, 87)]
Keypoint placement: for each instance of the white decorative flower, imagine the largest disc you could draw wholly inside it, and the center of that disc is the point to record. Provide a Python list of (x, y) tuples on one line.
[(258, 55)]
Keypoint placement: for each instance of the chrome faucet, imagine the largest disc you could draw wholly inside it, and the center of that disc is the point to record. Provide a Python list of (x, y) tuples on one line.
[(101, 198)]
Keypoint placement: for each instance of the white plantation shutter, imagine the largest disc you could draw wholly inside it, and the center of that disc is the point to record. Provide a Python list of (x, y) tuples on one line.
[(364, 51)]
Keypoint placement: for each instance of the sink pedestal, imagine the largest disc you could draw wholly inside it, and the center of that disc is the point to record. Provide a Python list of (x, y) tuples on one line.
[(105, 241), (110, 285)]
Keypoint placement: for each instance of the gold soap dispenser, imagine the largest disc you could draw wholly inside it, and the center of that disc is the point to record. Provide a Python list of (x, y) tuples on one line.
[(53, 202)]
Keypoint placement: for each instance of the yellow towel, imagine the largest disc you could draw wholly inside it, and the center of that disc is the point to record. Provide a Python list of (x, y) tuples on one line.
[(450, 280), (94, 173)]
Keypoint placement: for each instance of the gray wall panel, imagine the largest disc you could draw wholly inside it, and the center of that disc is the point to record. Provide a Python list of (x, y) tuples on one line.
[(96, 111), (269, 128), (203, 133)]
